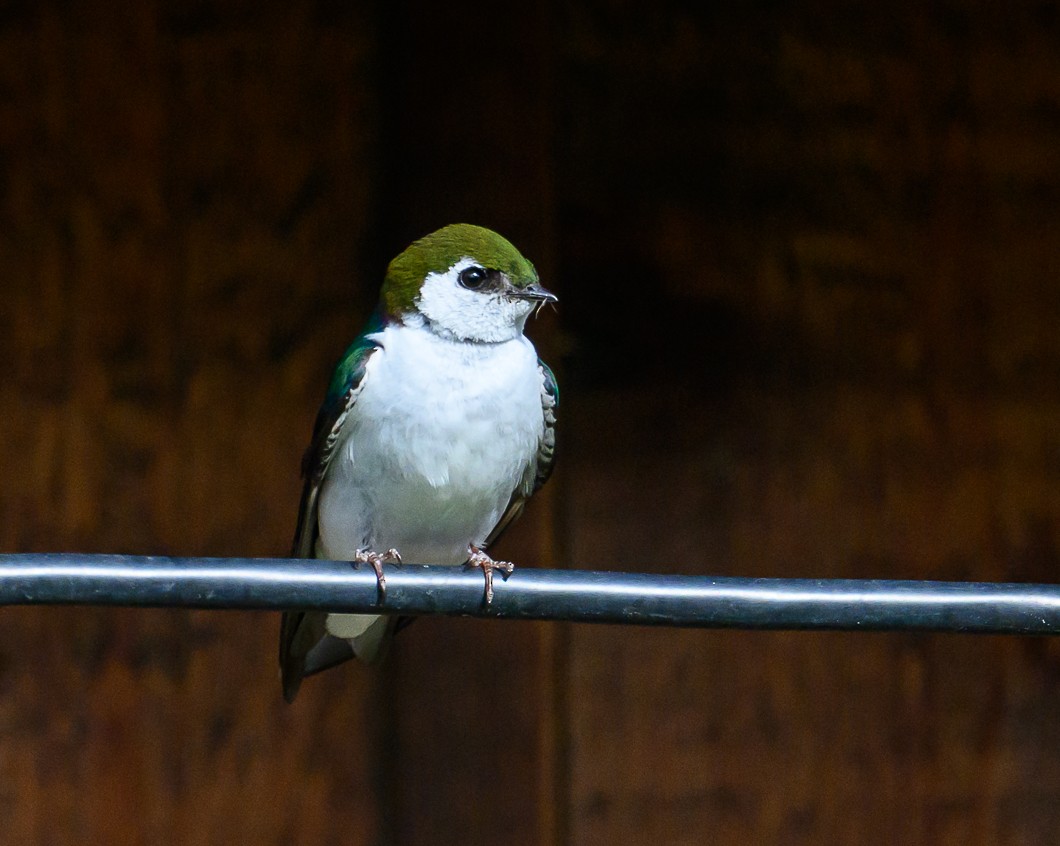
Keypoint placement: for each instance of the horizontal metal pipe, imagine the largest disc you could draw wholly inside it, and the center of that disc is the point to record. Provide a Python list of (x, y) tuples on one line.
[(532, 594)]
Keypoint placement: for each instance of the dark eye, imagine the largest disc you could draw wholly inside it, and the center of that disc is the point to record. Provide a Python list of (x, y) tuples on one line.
[(473, 278)]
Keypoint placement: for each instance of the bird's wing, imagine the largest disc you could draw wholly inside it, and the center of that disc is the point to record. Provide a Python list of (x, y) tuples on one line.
[(301, 631), (540, 468)]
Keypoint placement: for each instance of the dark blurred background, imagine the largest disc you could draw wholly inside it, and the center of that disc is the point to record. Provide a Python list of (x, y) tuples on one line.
[(807, 256)]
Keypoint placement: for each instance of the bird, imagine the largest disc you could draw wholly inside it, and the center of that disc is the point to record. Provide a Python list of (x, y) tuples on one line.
[(437, 427)]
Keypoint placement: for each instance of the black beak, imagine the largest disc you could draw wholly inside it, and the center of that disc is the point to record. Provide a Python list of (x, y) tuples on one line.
[(534, 293)]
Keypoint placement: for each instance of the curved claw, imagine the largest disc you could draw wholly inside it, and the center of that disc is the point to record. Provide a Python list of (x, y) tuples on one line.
[(477, 558), (376, 560)]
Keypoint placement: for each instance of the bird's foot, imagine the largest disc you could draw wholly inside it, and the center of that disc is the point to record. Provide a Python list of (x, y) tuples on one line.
[(377, 560), (477, 558)]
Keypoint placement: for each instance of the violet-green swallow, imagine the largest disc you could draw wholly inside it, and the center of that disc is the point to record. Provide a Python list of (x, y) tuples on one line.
[(437, 427)]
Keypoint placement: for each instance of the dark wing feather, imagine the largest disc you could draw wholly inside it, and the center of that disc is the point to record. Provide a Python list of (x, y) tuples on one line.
[(301, 631), (538, 470)]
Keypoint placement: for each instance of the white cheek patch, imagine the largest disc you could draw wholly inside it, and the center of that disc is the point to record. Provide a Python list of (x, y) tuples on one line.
[(470, 315)]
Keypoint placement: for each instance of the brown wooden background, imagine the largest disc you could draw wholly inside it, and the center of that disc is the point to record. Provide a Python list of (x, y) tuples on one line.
[(808, 259)]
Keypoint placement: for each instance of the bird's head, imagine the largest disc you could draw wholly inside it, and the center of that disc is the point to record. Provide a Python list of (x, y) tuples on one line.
[(464, 282)]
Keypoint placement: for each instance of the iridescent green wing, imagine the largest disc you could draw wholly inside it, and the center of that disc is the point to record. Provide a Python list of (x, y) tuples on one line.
[(346, 384), (538, 470), (299, 631)]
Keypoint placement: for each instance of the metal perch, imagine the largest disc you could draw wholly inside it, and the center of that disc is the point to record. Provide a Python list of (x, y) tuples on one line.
[(530, 594)]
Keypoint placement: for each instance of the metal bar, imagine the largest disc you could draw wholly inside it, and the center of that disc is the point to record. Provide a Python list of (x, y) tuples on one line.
[(574, 595)]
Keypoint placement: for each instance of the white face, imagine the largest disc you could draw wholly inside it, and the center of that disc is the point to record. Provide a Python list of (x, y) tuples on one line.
[(450, 308)]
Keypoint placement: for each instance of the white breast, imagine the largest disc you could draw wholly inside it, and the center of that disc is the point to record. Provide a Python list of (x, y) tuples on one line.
[(440, 436)]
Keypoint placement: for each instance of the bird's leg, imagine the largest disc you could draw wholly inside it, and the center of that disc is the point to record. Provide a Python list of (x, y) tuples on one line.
[(477, 558), (377, 560)]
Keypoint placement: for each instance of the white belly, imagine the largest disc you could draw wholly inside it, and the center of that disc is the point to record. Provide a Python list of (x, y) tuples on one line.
[(440, 436)]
